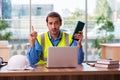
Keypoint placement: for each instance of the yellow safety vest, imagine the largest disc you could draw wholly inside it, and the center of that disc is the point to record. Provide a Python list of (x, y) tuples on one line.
[(45, 42)]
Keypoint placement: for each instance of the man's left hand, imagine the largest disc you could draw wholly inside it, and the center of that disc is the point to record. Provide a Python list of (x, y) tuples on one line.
[(79, 36)]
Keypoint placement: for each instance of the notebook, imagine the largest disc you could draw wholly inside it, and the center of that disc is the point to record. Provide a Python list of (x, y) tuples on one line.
[(60, 57)]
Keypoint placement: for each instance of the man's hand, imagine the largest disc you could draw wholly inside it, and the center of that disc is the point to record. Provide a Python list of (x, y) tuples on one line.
[(79, 36), (33, 36)]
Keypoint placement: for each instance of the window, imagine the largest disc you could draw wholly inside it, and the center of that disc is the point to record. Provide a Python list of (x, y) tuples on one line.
[(17, 13), (38, 11)]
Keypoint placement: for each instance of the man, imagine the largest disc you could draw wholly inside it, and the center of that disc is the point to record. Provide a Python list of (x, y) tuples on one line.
[(39, 44)]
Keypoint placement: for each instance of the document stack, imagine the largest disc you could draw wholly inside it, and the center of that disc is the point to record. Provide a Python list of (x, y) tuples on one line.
[(107, 64)]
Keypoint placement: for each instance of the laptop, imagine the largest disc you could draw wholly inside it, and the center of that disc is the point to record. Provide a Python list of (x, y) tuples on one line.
[(61, 57)]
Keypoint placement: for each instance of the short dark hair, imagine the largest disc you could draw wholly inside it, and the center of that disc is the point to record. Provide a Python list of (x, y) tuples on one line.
[(54, 14)]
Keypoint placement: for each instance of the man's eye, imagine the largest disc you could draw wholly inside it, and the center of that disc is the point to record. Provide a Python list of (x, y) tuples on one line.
[(50, 23), (57, 22)]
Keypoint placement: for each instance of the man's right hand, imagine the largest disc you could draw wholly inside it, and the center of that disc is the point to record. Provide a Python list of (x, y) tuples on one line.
[(33, 36)]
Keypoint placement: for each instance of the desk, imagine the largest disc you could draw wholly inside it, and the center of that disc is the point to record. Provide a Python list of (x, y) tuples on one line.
[(81, 72), (111, 51)]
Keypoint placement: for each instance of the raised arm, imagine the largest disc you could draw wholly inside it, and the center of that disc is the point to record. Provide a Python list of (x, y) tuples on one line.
[(33, 36)]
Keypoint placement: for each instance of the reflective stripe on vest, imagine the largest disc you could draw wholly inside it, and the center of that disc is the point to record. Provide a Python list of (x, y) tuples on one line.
[(45, 42)]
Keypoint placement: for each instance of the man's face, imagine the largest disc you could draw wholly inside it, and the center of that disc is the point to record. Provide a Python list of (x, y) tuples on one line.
[(54, 25)]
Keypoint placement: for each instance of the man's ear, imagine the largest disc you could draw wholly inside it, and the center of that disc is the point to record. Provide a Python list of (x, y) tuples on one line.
[(47, 24), (61, 23)]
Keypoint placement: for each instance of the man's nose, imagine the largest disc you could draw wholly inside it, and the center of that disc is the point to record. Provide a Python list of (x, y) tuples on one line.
[(53, 25)]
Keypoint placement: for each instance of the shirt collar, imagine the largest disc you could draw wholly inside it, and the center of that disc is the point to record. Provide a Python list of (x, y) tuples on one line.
[(59, 37)]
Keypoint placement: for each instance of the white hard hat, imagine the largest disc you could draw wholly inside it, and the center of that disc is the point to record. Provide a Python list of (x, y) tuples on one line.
[(18, 62)]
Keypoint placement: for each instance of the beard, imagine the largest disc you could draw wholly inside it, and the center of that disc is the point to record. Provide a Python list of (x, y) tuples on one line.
[(54, 31)]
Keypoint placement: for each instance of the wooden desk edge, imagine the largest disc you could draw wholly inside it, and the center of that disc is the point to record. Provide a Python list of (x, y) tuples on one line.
[(59, 73)]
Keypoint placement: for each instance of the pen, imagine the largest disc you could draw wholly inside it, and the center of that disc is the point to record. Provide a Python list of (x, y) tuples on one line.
[(91, 64)]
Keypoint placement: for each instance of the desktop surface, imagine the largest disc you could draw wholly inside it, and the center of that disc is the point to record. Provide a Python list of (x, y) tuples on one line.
[(84, 72), (82, 69)]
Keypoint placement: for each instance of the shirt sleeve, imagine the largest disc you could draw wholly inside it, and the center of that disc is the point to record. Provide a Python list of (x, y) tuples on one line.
[(80, 52), (34, 53)]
